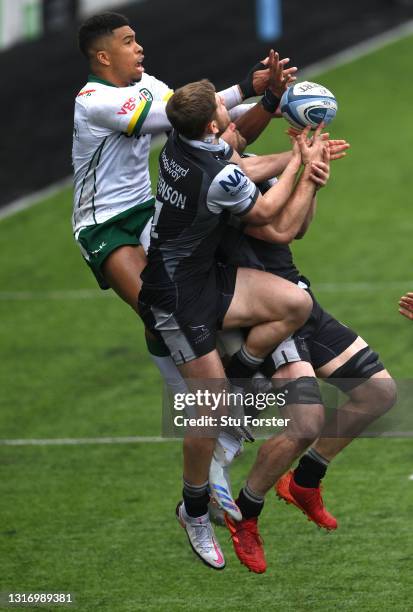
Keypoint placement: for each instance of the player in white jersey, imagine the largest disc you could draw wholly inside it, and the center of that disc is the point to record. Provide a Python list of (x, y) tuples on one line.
[(116, 114), (110, 154)]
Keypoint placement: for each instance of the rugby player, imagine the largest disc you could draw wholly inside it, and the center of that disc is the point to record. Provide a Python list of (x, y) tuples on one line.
[(116, 114), (186, 296), (326, 348)]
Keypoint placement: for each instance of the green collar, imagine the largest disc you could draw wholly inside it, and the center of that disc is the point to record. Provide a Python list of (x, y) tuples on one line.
[(94, 79)]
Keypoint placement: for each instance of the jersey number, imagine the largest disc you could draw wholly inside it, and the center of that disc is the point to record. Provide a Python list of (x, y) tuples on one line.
[(158, 208)]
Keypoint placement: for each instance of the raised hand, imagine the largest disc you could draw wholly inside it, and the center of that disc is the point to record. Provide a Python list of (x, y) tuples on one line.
[(313, 149), (406, 306), (260, 77), (280, 77), (320, 173), (338, 148)]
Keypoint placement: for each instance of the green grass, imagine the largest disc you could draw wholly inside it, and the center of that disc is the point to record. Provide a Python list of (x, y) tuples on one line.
[(98, 520)]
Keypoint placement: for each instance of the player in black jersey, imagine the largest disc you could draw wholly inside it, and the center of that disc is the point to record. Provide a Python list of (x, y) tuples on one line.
[(323, 347), (185, 295)]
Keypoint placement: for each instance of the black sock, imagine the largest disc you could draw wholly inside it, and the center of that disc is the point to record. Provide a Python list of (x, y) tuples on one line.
[(249, 503), (196, 499), (311, 469), (242, 365)]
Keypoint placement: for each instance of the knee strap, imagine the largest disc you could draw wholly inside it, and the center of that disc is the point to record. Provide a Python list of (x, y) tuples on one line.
[(303, 390), (291, 350), (358, 368)]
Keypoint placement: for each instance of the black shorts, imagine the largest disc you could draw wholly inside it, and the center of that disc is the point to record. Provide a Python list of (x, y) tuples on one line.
[(186, 317), (319, 341), (323, 337)]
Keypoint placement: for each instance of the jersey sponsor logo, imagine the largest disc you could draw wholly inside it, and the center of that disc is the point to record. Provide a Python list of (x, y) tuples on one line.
[(145, 94), (173, 196), (127, 107), (172, 168), (233, 184), (86, 92)]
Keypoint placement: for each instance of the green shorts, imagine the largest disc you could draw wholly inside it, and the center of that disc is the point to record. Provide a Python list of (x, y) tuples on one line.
[(99, 241)]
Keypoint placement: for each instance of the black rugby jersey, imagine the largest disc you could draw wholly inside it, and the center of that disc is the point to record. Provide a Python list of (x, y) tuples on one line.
[(198, 188), (239, 249)]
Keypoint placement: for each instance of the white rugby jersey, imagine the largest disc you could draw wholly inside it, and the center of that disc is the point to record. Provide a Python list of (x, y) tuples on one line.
[(111, 143)]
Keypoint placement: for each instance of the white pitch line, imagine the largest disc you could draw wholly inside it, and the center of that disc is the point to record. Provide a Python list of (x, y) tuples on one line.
[(37, 197), (34, 198), (411, 477), (91, 294), (149, 440), (63, 294), (81, 441)]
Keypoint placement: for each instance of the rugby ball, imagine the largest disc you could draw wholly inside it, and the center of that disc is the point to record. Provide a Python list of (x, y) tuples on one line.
[(308, 103)]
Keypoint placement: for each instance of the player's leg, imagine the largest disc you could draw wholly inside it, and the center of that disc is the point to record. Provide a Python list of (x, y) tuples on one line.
[(198, 449), (192, 513), (273, 307), (122, 270), (368, 400), (330, 342), (307, 417), (306, 413), (115, 251), (275, 457), (260, 297), (187, 327), (340, 355), (228, 443)]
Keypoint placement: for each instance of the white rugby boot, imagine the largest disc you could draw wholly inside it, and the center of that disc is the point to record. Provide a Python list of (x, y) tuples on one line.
[(226, 449), (201, 537)]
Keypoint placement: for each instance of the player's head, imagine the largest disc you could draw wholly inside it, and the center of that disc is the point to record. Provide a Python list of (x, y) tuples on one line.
[(196, 109), (108, 41)]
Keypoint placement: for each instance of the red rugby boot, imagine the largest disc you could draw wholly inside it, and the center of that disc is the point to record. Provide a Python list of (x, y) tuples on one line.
[(308, 500), (247, 543)]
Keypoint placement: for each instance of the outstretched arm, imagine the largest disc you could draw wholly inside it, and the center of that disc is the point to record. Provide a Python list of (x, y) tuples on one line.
[(252, 123), (262, 167), (269, 205), (295, 217)]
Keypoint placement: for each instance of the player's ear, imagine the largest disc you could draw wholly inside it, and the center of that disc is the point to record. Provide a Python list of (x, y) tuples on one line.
[(102, 57), (212, 127)]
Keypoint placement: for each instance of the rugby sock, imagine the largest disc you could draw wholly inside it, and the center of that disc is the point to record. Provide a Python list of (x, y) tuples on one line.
[(242, 364), (250, 503), (317, 457), (312, 467), (196, 499)]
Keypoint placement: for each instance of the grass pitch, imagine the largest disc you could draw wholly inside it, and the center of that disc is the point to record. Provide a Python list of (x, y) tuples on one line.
[(98, 521)]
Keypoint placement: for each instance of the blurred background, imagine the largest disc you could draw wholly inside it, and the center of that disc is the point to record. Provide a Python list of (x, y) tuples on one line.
[(183, 39)]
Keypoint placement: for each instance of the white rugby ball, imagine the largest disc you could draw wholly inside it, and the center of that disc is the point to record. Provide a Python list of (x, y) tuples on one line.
[(308, 103)]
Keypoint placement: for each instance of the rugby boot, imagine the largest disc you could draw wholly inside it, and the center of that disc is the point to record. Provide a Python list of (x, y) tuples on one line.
[(247, 543), (308, 500), (219, 482), (201, 537)]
